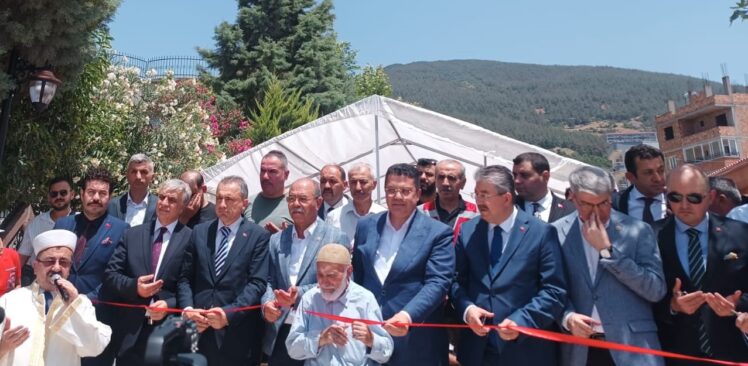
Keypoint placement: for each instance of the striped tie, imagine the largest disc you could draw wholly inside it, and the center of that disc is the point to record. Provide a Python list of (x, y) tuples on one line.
[(697, 270), (223, 249)]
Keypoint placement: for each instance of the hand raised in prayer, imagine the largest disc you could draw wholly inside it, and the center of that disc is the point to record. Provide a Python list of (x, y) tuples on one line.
[(334, 334), (12, 338), (197, 316), (147, 287), (476, 318), (722, 305), (216, 318), (157, 315), (581, 325), (286, 298), (69, 288), (397, 326), (686, 303), (742, 322), (362, 332)]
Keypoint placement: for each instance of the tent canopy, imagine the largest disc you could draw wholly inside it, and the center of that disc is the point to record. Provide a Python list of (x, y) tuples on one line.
[(382, 132)]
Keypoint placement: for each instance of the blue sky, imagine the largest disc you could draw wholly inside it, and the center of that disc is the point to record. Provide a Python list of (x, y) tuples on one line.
[(690, 37)]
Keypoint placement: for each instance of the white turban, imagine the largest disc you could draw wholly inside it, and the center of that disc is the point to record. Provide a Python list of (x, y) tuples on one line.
[(54, 238)]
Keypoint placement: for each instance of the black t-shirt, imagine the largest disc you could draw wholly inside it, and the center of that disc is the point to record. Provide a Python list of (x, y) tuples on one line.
[(207, 213)]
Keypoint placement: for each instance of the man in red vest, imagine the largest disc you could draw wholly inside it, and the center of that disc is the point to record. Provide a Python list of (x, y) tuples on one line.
[(449, 207)]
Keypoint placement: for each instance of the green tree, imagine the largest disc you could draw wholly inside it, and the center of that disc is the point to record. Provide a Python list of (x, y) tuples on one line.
[(279, 111), (291, 39), (373, 81), (740, 11)]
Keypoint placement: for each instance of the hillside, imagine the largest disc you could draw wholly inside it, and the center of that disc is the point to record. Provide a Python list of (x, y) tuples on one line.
[(542, 104)]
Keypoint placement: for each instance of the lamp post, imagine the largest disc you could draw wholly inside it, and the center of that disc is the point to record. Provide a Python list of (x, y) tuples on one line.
[(42, 87)]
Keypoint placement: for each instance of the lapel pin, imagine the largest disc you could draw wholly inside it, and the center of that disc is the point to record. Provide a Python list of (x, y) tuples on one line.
[(560, 205), (244, 235), (522, 229), (108, 225), (717, 229), (619, 228), (730, 256)]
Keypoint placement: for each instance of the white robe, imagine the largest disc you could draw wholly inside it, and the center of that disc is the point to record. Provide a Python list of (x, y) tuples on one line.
[(60, 337)]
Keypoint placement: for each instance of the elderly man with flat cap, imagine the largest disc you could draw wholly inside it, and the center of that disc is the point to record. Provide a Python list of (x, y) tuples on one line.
[(49, 322), (321, 341)]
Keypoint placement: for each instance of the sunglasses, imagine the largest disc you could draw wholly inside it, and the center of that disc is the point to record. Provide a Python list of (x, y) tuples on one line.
[(694, 198), (61, 193)]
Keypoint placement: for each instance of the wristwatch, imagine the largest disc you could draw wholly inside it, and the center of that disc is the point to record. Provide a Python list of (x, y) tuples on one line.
[(605, 253)]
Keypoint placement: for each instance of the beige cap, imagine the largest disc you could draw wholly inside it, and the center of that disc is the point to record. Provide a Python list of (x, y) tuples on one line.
[(54, 238), (334, 253)]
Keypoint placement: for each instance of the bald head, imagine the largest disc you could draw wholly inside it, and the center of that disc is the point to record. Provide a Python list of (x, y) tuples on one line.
[(689, 194)]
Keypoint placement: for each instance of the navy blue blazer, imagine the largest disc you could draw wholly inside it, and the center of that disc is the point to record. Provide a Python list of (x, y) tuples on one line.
[(417, 283), (528, 286), (132, 259), (241, 283), (87, 276)]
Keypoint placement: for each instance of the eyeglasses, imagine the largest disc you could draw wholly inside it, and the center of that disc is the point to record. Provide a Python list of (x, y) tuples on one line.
[(590, 206), (694, 198), (426, 162), (49, 262), (302, 199), (392, 192), (61, 193)]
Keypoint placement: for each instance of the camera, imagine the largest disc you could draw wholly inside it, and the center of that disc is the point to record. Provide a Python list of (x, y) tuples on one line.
[(174, 342)]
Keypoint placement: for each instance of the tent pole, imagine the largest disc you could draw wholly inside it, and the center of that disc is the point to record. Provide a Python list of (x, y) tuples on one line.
[(376, 156)]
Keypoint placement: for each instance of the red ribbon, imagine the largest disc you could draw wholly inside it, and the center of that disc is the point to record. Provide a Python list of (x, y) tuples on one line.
[(547, 335), (171, 310)]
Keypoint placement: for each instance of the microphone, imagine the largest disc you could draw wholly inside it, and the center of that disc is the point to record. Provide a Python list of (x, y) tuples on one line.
[(56, 279)]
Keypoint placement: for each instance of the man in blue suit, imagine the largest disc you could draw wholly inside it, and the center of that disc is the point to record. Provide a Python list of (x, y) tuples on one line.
[(614, 275), (509, 272), (98, 234), (225, 267), (406, 260), (292, 266)]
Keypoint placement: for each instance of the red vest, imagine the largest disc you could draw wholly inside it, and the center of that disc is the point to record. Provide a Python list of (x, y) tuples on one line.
[(471, 210)]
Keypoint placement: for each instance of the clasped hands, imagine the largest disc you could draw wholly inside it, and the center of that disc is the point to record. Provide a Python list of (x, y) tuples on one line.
[(211, 318), (336, 334), (689, 303)]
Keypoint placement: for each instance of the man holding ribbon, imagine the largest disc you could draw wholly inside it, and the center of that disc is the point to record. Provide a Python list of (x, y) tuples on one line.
[(144, 270)]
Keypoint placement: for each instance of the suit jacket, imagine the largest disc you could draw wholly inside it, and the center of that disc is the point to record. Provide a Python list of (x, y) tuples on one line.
[(559, 207), (620, 200), (241, 283), (417, 283), (624, 288), (724, 274), (279, 253), (88, 276), (118, 207), (132, 259), (526, 286)]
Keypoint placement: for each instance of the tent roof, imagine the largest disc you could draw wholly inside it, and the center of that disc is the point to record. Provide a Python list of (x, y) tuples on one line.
[(382, 132)]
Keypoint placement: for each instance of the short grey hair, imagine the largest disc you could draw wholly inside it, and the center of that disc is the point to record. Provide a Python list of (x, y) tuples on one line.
[(177, 185), (361, 166), (499, 176), (316, 190), (590, 179), (452, 161), (726, 186), (278, 155), (235, 179), (139, 159)]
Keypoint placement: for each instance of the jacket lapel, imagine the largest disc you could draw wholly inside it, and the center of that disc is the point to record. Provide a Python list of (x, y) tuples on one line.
[(478, 250), (150, 210), (311, 250), (239, 244), (99, 239), (576, 245), (519, 230), (211, 248), (146, 237), (409, 247), (284, 256), (123, 206), (669, 253), (174, 244)]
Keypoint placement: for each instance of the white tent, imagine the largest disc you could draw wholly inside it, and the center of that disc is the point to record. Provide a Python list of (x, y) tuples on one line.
[(382, 132)]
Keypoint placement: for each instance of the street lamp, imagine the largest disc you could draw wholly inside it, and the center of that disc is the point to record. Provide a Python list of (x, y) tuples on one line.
[(42, 86)]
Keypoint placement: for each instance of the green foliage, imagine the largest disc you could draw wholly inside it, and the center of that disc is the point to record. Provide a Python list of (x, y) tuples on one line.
[(291, 39), (372, 81), (535, 103), (58, 33), (740, 11), (279, 111)]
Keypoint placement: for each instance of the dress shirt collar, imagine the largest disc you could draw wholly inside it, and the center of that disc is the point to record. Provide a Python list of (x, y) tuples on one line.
[(507, 224), (169, 228), (636, 195), (234, 226), (405, 224), (307, 232), (132, 203), (702, 227), (545, 202)]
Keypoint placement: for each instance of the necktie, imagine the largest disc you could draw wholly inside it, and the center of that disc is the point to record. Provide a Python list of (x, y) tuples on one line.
[(496, 245), (80, 248), (156, 249), (223, 249), (647, 213), (536, 209), (697, 270)]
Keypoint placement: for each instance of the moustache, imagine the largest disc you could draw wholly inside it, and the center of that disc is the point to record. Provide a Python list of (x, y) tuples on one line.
[(446, 188), (297, 211)]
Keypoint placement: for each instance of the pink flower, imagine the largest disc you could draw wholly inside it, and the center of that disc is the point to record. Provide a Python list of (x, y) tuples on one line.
[(107, 241), (108, 225)]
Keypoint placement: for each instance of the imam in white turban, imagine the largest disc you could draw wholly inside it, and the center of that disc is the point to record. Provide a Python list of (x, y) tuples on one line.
[(54, 238)]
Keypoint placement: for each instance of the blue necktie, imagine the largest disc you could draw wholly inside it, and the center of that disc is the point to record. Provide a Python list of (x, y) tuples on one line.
[(496, 245), (223, 249)]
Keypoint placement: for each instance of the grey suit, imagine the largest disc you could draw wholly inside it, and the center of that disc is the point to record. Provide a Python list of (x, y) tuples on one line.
[(624, 288), (279, 250)]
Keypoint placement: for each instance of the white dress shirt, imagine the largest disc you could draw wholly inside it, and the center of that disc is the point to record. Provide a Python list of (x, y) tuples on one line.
[(346, 218), (135, 213), (636, 205), (545, 206), (389, 244), (298, 249), (164, 242), (41, 223)]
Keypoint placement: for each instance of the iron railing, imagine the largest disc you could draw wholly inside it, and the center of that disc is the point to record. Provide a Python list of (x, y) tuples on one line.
[(183, 67)]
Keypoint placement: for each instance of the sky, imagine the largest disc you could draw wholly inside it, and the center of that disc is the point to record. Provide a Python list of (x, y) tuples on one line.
[(688, 37)]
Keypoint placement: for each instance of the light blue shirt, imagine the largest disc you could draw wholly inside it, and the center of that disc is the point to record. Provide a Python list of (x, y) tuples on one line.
[(356, 302), (636, 205), (681, 241)]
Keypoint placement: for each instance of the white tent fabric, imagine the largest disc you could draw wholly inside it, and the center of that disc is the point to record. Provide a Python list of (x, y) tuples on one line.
[(382, 132)]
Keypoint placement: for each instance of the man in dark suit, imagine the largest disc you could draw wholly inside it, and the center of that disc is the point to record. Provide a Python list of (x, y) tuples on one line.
[(292, 270), (406, 260), (704, 259), (137, 205), (531, 175), (509, 272), (144, 269), (644, 199), (225, 267), (98, 235), (332, 182)]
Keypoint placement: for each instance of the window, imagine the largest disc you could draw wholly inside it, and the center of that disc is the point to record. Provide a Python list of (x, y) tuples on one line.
[(698, 155), (721, 120), (689, 155), (672, 162), (715, 149), (669, 133)]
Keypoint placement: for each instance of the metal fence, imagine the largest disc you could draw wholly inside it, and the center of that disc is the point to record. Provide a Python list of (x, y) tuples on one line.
[(183, 67)]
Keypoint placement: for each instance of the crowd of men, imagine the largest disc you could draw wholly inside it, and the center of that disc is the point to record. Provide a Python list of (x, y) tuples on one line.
[(660, 265)]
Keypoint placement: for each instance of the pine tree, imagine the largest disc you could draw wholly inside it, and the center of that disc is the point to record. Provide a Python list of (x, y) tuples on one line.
[(279, 111), (291, 39)]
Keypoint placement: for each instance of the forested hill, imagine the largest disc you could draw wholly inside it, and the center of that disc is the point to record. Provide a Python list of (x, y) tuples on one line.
[(538, 104)]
